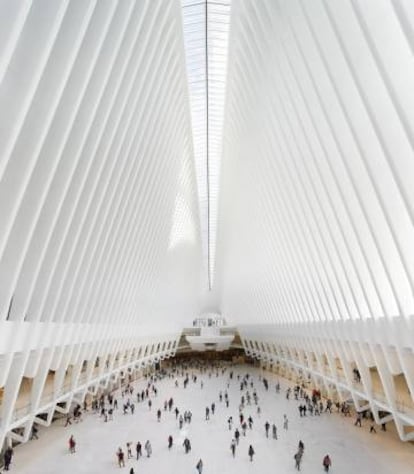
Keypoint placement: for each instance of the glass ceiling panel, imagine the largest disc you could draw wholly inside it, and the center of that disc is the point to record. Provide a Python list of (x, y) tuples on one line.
[(206, 31)]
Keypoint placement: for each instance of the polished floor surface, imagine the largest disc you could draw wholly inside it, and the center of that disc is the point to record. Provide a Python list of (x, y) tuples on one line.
[(352, 449)]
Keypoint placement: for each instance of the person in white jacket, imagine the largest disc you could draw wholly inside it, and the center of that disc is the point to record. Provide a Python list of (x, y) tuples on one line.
[(148, 448)]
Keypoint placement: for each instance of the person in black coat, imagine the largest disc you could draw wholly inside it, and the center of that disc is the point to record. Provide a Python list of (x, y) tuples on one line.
[(8, 455), (251, 452)]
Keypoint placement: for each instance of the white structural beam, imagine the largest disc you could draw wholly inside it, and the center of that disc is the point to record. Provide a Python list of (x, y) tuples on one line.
[(100, 247), (129, 133), (315, 255)]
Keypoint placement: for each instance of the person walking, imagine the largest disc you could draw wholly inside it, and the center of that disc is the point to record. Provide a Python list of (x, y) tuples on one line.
[(129, 450), (233, 447), (251, 453), (267, 426), (285, 422), (230, 422), (148, 448), (138, 449), (8, 455), (274, 431), (121, 457), (298, 459), (170, 442), (187, 445), (199, 466), (72, 444), (250, 421), (326, 463)]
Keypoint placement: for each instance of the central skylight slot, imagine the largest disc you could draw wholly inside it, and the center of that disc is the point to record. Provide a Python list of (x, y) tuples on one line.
[(206, 32)]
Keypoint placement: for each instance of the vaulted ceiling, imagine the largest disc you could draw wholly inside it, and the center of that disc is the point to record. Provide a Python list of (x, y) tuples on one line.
[(158, 159)]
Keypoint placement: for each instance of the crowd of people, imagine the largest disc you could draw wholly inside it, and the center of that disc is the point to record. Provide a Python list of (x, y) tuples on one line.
[(195, 372), (240, 391)]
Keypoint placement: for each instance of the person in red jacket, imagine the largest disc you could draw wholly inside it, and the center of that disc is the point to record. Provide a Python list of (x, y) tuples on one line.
[(326, 463), (72, 445), (121, 457)]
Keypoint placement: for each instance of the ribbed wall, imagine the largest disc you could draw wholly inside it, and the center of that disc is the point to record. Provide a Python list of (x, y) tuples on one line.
[(324, 177), (315, 249), (316, 236), (101, 260), (100, 253)]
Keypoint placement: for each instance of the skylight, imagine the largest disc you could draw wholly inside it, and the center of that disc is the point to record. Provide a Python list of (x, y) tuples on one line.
[(206, 31)]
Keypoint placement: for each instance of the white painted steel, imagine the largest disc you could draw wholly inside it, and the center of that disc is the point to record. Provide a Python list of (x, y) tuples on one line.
[(100, 247), (315, 254), (104, 190)]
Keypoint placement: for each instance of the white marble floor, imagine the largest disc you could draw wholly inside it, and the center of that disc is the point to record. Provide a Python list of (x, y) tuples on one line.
[(352, 449)]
